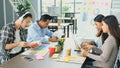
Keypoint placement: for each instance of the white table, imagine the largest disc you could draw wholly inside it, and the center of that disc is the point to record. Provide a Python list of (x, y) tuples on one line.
[(73, 21), (20, 62)]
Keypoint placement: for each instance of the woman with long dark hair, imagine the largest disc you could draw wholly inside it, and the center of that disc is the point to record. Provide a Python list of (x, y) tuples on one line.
[(110, 47), (101, 36)]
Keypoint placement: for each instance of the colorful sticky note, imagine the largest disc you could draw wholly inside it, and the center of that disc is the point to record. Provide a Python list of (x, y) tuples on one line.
[(88, 9), (106, 3), (66, 59), (84, 3), (84, 8), (55, 56), (93, 2), (90, 3), (39, 57)]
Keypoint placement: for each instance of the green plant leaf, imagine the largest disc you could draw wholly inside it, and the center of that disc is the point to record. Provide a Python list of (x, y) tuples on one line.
[(22, 8), (19, 7)]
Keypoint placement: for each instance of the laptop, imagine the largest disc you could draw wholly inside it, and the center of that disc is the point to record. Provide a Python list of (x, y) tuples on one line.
[(76, 43), (79, 41)]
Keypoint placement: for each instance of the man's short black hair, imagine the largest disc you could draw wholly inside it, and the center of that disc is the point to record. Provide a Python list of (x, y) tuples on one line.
[(45, 17)]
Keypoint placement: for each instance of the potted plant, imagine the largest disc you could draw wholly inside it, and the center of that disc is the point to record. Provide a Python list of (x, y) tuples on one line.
[(22, 8)]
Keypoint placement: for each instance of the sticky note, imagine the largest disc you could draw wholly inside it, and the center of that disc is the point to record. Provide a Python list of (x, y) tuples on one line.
[(55, 56), (66, 59), (84, 3), (39, 57), (106, 3), (93, 3)]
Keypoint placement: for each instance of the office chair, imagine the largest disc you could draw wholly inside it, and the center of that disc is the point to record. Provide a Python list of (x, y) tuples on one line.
[(54, 20), (70, 15), (117, 61)]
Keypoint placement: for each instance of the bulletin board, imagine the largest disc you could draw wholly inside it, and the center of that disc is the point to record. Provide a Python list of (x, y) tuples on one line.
[(91, 8)]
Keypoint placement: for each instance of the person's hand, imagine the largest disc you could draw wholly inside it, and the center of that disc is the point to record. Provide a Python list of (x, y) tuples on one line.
[(85, 43), (89, 47), (84, 53), (53, 39), (23, 44)]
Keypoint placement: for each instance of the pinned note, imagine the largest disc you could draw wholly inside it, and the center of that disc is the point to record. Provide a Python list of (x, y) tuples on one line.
[(84, 3), (106, 3), (90, 3), (93, 2)]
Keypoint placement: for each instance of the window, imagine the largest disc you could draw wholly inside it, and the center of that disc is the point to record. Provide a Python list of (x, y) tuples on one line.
[(67, 6), (46, 4)]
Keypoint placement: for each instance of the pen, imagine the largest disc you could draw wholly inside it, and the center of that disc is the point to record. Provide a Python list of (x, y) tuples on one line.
[(77, 50)]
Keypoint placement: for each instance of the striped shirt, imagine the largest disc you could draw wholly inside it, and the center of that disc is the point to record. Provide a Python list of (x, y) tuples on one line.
[(7, 36)]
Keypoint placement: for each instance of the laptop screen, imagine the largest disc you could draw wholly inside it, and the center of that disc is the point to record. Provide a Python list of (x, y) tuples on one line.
[(76, 42)]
